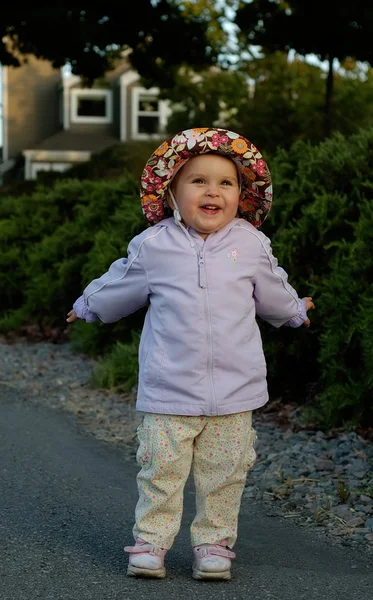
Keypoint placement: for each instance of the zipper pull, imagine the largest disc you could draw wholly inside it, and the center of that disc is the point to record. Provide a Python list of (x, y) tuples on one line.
[(201, 270)]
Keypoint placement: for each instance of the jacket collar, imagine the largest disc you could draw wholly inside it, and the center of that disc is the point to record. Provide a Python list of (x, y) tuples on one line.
[(214, 238)]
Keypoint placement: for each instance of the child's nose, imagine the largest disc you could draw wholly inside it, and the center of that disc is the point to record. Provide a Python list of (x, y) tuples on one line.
[(212, 190)]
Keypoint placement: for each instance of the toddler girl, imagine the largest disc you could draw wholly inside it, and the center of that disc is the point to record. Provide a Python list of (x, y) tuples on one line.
[(206, 273)]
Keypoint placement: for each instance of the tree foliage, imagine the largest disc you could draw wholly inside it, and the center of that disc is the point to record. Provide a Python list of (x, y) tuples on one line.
[(272, 100), (334, 29), (337, 29), (286, 103), (212, 97), (162, 35)]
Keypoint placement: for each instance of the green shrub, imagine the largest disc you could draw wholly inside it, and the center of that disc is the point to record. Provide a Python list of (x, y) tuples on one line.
[(120, 367), (60, 237), (321, 231), (56, 241), (111, 164)]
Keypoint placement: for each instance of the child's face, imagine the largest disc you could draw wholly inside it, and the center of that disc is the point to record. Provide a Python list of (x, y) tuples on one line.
[(207, 193)]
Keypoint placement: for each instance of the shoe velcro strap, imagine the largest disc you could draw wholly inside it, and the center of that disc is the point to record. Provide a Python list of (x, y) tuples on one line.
[(145, 549), (215, 551)]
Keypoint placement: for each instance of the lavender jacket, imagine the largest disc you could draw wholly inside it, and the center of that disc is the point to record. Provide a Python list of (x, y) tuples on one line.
[(200, 351)]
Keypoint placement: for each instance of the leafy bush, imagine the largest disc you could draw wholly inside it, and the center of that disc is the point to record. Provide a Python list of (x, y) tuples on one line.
[(56, 241), (120, 367), (111, 164), (60, 237), (321, 230)]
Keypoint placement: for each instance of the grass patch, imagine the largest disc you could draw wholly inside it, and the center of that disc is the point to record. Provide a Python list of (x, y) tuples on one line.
[(119, 369)]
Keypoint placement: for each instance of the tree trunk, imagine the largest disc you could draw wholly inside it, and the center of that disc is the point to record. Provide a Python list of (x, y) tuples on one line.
[(328, 98)]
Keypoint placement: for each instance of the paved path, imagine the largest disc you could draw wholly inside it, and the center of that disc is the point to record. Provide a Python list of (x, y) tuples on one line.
[(66, 510)]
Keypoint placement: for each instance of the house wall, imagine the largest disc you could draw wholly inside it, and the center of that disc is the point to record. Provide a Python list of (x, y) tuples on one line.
[(110, 82), (32, 104)]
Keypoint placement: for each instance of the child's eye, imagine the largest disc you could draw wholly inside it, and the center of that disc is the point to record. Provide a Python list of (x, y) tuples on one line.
[(198, 180), (227, 182)]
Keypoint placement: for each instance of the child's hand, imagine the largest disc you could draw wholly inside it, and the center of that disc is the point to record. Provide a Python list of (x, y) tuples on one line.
[(309, 306), (72, 316)]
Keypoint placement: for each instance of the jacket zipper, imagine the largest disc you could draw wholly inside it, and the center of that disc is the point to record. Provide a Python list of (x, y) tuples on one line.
[(201, 270), (203, 285)]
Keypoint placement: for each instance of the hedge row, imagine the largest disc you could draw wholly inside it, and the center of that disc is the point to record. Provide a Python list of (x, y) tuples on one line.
[(322, 232), (57, 240), (62, 235)]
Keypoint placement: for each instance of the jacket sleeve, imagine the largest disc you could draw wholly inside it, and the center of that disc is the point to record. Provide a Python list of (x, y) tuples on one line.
[(300, 317), (122, 290), (276, 301), (82, 311)]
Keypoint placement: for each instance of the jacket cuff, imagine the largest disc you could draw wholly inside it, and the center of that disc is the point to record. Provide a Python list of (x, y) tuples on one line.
[(300, 317), (82, 311)]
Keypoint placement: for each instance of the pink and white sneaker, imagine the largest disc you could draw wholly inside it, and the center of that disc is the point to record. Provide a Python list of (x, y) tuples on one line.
[(212, 561), (146, 560)]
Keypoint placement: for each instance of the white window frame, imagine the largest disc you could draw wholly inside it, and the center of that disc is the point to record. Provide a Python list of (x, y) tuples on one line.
[(37, 167), (70, 157), (77, 93), (161, 113)]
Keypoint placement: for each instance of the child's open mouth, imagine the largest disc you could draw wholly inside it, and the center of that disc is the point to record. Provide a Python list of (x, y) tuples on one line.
[(210, 209)]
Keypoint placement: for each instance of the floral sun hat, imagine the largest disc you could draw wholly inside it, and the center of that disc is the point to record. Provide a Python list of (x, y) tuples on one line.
[(170, 156)]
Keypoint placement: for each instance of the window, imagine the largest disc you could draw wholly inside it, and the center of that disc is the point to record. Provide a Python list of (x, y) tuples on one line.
[(36, 167), (148, 115), (91, 106)]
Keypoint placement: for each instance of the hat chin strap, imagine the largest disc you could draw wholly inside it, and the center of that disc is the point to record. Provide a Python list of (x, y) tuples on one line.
[(178, 219)]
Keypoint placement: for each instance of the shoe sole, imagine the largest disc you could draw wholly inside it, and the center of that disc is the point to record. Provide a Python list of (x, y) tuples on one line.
[(222, 575), (154, 573)]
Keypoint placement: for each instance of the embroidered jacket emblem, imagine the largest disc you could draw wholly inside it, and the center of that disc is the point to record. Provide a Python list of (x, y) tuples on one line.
[(233, 254)]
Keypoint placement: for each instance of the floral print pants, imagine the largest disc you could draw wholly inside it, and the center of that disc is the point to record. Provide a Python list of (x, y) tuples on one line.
[(221, 450)]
